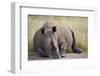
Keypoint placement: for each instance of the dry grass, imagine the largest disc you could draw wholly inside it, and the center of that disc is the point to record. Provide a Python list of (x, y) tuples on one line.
[(78, 24)]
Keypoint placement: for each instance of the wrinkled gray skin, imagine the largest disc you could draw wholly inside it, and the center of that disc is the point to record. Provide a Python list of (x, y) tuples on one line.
[(52, 41)]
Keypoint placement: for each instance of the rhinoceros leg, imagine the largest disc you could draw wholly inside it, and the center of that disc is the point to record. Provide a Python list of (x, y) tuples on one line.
[(74, 47), (41, 52), (62, 49), (54, 53), (62, 53)]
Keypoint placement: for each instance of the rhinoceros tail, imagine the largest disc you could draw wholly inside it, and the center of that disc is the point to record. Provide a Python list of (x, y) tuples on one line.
[(74, 47), (74, 40)]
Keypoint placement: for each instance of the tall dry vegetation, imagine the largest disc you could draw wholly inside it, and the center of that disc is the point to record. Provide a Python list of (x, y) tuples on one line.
[(78, 24)]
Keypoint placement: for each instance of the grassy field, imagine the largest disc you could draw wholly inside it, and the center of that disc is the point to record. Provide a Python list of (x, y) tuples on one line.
[(78, 24)]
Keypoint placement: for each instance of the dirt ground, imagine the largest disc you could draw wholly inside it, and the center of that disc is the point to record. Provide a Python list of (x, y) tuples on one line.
[(35, 56)]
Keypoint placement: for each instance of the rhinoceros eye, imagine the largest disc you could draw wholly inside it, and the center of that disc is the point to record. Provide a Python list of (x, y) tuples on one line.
[(54, 28)]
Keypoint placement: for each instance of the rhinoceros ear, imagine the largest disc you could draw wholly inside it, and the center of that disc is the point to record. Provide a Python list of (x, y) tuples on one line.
[(54, 28), (42, 31)]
